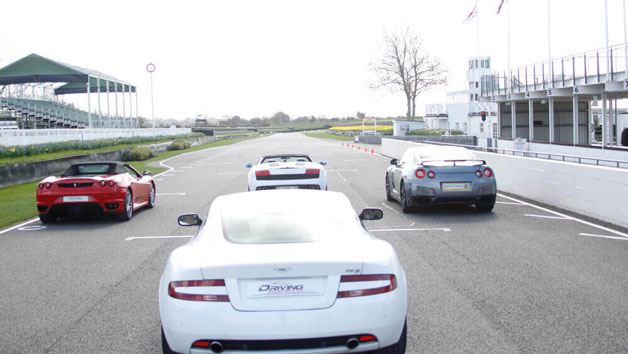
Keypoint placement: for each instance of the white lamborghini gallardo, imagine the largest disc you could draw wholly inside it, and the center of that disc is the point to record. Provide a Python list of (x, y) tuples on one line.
[(267, 275), (287, 171)]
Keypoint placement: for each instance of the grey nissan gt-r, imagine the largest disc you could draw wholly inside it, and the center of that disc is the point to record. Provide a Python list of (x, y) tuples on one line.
[(435, 175)]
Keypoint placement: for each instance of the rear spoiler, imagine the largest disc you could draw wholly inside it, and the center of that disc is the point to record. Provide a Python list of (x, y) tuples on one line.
[(478, 162)]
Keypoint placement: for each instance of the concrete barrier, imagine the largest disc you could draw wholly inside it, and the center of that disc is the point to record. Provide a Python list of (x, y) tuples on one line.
[(595, 191)]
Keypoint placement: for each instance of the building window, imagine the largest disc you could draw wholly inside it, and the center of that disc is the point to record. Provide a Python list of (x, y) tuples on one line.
[(476, 63), (482, 63), (470, 97), (476, 96), (488, 64), (481, 126), (495, 130), (470, 64), (476, 85)]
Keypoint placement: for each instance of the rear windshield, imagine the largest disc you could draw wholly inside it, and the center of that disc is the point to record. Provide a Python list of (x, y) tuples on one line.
[(286, 159), (288, 225)]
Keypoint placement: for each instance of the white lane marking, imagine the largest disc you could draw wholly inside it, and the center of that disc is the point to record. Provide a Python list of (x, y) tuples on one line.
[(167, 175), (393, 210), (172, 193), (443, 229), (32, 228), (187, 167), (602, 236), (565, 216), (547, 217), (155, 237), (342, 170), (158, 179), (509, 203), (343, 177), (232, 173), (18, 226), (218, 163), (353, 160), (178, 171)]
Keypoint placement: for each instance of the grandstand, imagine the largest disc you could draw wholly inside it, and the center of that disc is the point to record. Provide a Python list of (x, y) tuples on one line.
[(32, 92)]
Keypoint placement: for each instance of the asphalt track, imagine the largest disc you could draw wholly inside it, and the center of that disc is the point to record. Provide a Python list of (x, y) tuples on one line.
[(519, 279)]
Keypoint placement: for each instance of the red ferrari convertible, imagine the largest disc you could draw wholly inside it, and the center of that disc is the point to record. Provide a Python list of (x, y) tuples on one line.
[(109, 187)]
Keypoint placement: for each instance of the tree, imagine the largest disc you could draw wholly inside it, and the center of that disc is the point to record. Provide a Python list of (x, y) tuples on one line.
[(280, 118), (406, 66)]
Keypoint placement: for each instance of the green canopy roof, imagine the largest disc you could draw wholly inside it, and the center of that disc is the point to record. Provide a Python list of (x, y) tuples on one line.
[(81, 87), (35, 68)]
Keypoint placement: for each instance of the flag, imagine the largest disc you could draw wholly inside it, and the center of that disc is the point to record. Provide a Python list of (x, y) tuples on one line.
[(499, 9), (473, 13)]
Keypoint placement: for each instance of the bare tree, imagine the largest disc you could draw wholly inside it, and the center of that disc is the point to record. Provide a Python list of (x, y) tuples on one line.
[(406, 66)]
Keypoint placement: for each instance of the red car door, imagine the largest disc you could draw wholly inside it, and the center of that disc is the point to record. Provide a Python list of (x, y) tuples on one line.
[(139, 184)]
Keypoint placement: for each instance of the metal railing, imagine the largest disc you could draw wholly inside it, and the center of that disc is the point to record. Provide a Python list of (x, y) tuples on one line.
[(542, 155), (590, 67)]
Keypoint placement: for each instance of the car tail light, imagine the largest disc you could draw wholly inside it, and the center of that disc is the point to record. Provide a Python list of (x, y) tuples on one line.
[(367, 338), (364, 285), (111, 183), (48, 185), (478, 174), (431, 174), (197, 290), (420, 173), (40, 186), (488, 172), (103, 183), (262, 173), (312, 171)]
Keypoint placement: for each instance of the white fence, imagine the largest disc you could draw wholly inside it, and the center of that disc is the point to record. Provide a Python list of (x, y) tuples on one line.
[(595, 191), (42, 136)]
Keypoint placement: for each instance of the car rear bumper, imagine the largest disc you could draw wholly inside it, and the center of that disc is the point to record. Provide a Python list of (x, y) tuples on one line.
[(277, 184), (97, 202), (426, 194), (383, 316)]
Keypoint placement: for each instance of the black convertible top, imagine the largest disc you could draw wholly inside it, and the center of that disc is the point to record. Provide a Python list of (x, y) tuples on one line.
[(97, 168), (285, 156)]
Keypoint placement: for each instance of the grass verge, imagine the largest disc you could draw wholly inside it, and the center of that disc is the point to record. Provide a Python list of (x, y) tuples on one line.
[(326, 135), (18, 202)]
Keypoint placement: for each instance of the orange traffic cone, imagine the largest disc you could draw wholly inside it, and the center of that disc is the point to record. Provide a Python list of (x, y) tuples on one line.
[(352, 146), (372, 151), (343, 144)]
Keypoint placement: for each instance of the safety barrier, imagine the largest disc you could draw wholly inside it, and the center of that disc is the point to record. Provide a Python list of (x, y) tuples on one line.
[(42, 136)]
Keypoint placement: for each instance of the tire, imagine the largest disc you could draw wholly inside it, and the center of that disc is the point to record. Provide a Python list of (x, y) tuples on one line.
[(165, 347), (399, 347), (127, 214), (485, 208), (151, 196), (47, 218), (388, 196), (403, 199)]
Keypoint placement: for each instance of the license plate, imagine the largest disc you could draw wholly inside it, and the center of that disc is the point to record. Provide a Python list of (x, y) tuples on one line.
[(456, 187), (286, 187), (75, 198), (284, 287)]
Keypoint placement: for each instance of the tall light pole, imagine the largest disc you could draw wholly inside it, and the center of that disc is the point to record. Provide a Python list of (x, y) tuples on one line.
[(151, 68)]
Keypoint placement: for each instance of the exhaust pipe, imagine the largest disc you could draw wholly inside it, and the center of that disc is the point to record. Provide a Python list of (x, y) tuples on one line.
[(216, 347), (352, 343)]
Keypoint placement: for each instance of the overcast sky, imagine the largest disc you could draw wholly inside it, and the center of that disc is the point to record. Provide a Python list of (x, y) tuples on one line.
[(255, 57)]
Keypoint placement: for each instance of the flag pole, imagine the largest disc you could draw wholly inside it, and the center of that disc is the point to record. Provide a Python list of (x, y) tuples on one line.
[(508, 36), (477, 17)]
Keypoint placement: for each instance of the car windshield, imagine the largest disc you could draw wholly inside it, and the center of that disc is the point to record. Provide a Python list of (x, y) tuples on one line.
[(446, 156), (287, 158), (92, 169), (250, 224)]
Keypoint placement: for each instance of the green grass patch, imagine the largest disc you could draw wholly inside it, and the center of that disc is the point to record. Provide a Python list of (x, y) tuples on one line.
[(326, 135), (19, 202), (40, 152)]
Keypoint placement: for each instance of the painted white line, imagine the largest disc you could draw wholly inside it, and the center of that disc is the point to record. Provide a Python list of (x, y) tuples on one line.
[(232, 173), (443, 229), (565, 216), (32, 228), (602, 236), (547, 217), (392, 209), (178, 171), (155, 237), (18, 226), (186, 167), (509, 203), (158, 179), (343, 177), (167, 175), (342, 170), (172, 193), (353, 160), (218, 163)]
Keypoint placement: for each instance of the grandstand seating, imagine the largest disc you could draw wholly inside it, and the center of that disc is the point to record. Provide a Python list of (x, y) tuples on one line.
[(29, 113)]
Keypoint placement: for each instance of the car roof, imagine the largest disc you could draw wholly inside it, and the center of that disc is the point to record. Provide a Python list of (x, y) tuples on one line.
[(288, 199), (117, 163), (283, 155)]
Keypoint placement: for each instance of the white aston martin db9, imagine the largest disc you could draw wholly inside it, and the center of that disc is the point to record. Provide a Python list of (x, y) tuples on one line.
[(287, 171), (267, 275)]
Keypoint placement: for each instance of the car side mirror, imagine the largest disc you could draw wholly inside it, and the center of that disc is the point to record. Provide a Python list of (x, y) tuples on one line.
[(190, 220), (394, 162), (323, 163), (248, 165), (371, 214), (147, 173)]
